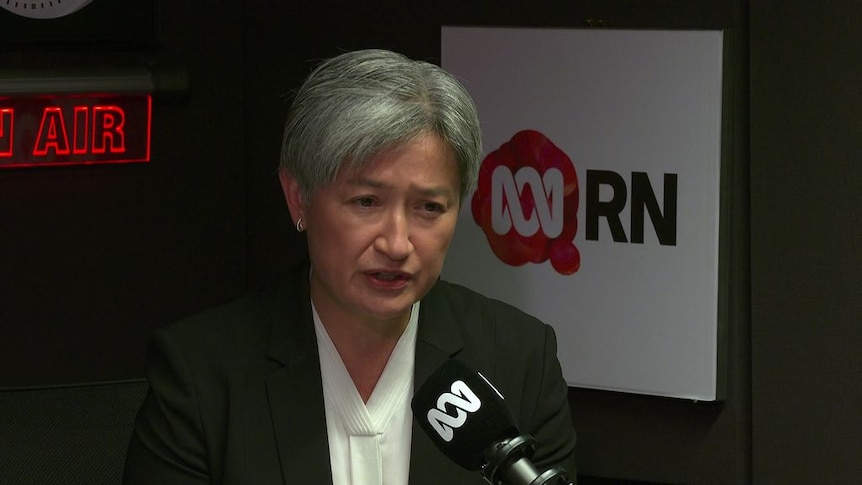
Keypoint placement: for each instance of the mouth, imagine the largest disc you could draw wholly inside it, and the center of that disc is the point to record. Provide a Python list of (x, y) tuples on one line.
[(389, 275), (389, 278)]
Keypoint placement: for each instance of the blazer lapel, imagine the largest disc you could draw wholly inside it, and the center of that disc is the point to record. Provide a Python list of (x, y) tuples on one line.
[(295, 389), (439, 339)]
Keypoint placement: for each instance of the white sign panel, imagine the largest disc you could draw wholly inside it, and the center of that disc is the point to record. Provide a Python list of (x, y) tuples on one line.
[(598, 203)]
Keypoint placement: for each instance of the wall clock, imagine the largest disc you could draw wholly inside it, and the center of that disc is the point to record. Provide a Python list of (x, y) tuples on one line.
[(43, 9)]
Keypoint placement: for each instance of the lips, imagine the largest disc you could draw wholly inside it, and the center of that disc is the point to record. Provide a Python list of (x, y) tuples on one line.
[(388, 279), (388, 276)]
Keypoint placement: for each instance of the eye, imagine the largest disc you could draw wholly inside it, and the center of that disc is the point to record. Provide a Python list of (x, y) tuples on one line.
[(434, 207), (431, 209), (364, 202)]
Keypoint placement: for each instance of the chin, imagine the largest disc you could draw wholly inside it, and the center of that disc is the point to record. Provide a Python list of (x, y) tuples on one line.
[(380, 312), (390, 315)]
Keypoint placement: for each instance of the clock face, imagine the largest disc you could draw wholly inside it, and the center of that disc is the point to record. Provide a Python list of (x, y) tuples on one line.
[(43, 9)]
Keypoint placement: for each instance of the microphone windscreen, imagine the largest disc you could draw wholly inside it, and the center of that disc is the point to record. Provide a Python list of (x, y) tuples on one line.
[(462, 413)]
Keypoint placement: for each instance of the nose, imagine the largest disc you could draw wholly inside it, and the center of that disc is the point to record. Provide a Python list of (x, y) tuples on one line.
[(394, 238)]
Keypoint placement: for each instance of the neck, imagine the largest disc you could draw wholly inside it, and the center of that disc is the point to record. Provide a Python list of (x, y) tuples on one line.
[(364, 345)]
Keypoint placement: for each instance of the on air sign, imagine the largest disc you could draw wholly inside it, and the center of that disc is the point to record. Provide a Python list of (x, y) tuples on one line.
[(48, 130), (597, 205)]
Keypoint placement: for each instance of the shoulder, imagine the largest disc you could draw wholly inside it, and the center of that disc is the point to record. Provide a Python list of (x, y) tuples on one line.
[(488, 323), (466, 303), (244, 321), (230, 338), (227, 321)]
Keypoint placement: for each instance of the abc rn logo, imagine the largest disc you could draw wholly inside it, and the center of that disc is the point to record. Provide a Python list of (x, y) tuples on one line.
[(464, 401), (526, 203)]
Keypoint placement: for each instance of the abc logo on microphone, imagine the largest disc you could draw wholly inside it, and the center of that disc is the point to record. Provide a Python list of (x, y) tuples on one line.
[(462, 400), (462, 413)]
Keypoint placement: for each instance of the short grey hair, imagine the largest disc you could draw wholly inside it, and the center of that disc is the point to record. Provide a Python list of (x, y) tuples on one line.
[(362, 103)]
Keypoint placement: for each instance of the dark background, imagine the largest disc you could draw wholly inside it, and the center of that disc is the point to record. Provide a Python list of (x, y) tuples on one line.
[(92, 259)]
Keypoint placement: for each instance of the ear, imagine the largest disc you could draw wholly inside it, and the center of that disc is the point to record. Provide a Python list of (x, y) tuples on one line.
[(292, 194)]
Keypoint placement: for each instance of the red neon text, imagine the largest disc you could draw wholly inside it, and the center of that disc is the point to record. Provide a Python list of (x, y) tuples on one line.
[(106, 125), (7, 115), (44, 130)]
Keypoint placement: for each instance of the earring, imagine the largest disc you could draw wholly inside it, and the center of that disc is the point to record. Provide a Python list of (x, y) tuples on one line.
[(300, 227)]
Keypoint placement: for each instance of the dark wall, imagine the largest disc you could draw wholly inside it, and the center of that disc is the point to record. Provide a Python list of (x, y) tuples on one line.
[(94, 258), (806, 240)]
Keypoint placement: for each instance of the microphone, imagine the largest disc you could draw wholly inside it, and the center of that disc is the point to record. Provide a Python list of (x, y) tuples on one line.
[(468, 420)]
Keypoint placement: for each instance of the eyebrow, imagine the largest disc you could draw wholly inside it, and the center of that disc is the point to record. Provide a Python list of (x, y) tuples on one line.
[(425, 191)]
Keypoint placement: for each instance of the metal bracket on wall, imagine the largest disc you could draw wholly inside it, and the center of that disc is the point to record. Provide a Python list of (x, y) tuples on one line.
[(166, 83)]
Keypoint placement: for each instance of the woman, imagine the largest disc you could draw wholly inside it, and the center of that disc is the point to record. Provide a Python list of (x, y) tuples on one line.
[(311, 382)]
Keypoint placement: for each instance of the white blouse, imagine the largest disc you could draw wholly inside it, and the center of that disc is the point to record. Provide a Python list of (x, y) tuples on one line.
[(369, 443)]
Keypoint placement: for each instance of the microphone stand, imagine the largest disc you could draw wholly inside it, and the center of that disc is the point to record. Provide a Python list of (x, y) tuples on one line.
[(508, 463)]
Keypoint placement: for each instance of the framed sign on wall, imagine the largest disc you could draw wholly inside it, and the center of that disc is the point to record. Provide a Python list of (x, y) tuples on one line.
[(597, 208)]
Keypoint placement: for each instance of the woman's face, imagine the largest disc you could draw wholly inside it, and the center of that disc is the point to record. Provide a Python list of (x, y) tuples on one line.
[(377, 237)]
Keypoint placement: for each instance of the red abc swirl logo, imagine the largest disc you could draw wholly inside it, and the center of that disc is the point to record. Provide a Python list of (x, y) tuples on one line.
[(526, 203)]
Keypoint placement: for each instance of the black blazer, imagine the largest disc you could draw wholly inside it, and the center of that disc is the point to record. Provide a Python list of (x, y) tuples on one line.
[(236, 396)]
